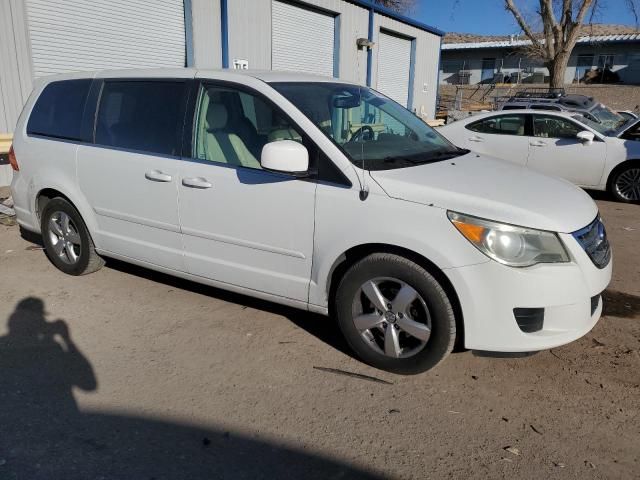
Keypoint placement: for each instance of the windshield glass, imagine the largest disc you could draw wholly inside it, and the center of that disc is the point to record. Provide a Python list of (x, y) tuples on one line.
[(371, 129), (608, 117), (598, 127)]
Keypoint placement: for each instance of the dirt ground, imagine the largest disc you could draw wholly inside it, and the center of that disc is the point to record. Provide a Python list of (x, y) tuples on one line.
[(127, 374)]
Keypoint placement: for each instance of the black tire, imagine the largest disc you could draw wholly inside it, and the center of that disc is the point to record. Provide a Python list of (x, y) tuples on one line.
[(443, 324), (87, 260), (628, 169)]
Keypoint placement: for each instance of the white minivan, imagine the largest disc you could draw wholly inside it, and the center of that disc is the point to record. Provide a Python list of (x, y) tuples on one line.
[(314, 193)]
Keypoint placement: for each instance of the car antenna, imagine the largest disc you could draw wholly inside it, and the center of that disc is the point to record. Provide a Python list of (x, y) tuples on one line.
[(364, 188)]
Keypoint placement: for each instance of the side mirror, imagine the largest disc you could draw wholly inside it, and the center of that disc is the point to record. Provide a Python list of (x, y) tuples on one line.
[(585, 137), (285, 156)]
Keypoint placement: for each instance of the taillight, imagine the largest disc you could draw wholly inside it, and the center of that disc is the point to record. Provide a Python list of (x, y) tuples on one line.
[(12, 159)]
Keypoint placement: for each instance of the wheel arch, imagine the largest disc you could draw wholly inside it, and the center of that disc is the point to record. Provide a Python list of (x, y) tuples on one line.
[(358, 252), (46, 194)]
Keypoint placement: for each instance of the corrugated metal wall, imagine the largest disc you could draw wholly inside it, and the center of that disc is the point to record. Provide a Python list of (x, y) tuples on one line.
[(302, 40), (15, 62), (207, 44), (74, 35), (427, 54), (250, 36)]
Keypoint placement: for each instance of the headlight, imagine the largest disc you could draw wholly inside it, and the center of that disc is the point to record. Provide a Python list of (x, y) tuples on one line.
[(508, 244)]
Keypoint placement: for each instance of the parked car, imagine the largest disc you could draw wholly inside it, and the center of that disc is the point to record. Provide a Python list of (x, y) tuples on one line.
[(585, 106), (314, 193), (564, 144)]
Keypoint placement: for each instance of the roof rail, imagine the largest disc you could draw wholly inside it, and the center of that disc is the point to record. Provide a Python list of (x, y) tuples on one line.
[(540, 92)]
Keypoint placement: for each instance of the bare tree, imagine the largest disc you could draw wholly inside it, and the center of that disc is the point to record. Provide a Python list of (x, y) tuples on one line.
[(558, 37), (401, 6)]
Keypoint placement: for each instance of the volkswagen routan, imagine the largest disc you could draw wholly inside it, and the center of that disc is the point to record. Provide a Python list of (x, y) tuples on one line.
[(315, 193)]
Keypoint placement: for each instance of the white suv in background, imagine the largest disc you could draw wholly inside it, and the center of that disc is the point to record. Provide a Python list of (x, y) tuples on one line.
[(313, 193)]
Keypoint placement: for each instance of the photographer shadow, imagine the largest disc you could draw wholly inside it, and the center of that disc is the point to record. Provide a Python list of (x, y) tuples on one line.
[(44, 435)]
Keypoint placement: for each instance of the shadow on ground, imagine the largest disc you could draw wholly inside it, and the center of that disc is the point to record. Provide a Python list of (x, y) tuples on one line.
[(619, 304), (324, 328), (44, 435)]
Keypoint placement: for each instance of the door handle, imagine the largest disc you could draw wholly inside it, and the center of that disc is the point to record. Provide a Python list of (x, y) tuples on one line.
[(196, 182), (538, 143), (476, 139), (157, 176)]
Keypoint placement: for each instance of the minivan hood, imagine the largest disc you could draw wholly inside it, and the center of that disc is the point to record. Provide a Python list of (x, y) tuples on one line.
[(493, 189)]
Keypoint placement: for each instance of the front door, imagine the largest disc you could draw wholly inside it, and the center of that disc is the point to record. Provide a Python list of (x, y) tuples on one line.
[(130, 175), (555, 150), (242, 225)]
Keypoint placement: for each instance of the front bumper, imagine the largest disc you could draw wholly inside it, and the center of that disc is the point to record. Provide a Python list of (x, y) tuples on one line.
[(489, 293)]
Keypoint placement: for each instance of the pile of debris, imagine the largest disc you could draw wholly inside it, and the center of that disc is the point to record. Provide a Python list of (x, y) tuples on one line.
[(7, 213)]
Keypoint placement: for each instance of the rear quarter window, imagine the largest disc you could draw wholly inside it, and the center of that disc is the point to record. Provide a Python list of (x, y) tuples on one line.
[(58, 111)]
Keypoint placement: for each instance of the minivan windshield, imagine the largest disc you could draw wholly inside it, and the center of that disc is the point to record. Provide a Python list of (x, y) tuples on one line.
[(373, 131)]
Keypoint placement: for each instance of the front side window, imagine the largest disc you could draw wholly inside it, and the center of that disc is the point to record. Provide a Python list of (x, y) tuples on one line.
[(142, 115), (373, 131), (554, 127), (501, 125), (59, 109), (232, 126)]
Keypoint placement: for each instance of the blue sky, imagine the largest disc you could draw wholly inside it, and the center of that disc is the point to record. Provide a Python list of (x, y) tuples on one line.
[(490, 17)]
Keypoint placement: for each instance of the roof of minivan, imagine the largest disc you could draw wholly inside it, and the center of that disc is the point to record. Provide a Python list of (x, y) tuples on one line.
[(264, 75)]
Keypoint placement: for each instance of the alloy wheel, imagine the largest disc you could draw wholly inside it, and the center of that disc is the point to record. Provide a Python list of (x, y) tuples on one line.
[(392, 317), (628, 184), (65, 239)]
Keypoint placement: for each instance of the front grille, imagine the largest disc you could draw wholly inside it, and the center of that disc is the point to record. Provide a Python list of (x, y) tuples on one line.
[(593, 239)]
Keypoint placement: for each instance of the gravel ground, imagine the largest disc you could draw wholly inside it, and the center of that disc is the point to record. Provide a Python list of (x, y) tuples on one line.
[(126, 373)]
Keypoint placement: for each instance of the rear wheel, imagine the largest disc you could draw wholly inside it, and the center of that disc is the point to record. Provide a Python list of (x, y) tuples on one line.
[(395, 315), (66, 239), (625, 184)]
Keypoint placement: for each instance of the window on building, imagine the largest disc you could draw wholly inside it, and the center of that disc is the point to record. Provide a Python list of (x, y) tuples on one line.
[(142, 115), (584, 64), (606, 61), (59, 109), (502, 125)]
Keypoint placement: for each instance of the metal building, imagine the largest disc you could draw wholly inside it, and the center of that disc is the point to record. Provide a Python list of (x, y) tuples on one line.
[(351, 39)]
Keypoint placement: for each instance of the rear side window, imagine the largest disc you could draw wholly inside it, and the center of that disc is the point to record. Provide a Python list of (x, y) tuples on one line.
[(502, 125), (59, 109), (141, 115)]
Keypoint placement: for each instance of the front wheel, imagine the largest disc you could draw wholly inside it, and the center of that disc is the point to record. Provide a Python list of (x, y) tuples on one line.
[(395, 315), (625, 184)]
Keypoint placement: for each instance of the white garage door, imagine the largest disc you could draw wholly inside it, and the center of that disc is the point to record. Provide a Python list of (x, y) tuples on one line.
[(302, 40), (394, 64), (71, 35)]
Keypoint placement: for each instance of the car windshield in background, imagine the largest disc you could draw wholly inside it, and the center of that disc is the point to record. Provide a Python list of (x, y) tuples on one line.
[(373, 131), (598, 127), (607, 117)]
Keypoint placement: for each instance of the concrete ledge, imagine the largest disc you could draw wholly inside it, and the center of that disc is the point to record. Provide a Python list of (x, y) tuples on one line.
[(5, 142)]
